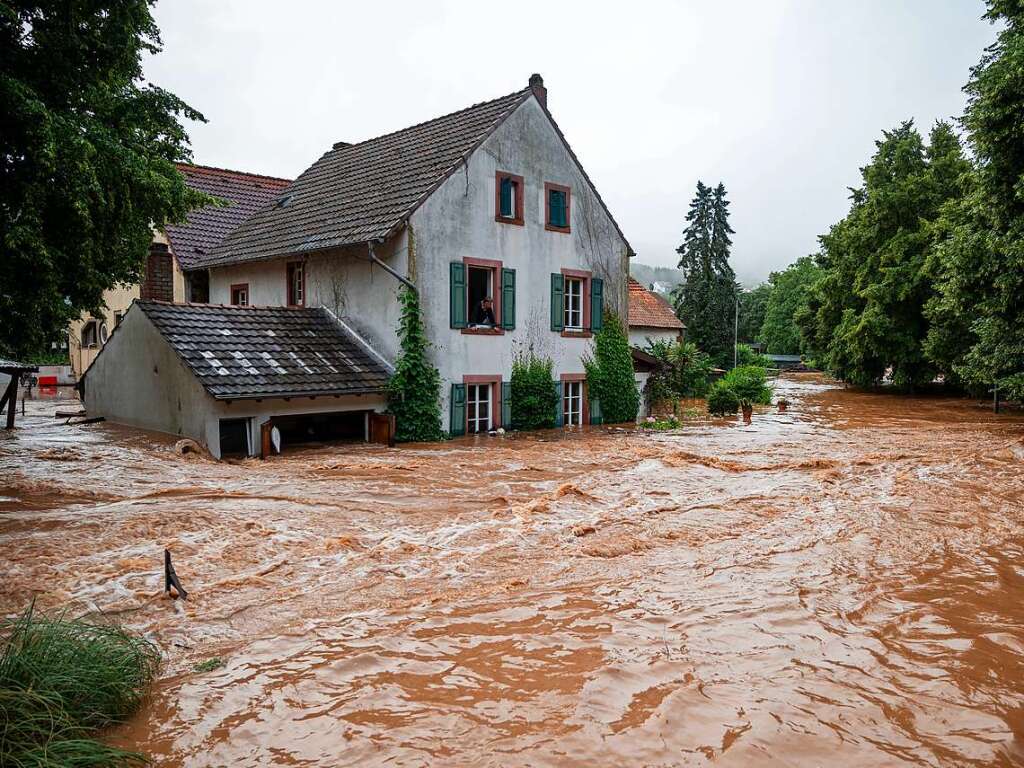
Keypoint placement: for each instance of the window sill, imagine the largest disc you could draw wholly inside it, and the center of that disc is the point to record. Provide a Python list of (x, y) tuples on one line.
[(483, 331), (553, 228), (577, 334), (507, 220)]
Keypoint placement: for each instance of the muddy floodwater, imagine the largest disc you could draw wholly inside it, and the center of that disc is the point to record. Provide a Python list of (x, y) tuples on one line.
[(839, 585)]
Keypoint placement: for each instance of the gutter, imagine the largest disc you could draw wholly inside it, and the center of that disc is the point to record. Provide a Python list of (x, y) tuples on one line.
[(404, 280)]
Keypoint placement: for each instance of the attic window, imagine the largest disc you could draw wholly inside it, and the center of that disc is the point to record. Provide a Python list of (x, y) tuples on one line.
[(284, 200), (296, 287), (557, 205), (508, 198)]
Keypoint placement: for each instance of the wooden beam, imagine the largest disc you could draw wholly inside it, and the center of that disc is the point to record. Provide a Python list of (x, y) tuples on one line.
[(11, 398)]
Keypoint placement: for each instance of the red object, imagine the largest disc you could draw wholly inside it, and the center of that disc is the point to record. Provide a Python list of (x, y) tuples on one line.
[(46, 381)]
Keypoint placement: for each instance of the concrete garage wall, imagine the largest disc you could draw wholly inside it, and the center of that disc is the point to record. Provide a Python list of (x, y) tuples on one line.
[(140, 381), (346, 282), (457, 221)]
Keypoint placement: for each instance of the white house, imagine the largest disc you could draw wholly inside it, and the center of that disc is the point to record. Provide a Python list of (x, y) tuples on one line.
[(651, 318), (486, 203)]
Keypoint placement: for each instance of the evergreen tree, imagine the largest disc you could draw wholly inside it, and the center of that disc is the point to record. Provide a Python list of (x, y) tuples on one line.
[(87, 157), (705, 300), (977, 315), (414, 391)]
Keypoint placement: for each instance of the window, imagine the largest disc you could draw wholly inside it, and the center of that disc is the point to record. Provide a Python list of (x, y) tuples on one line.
[(572, 402), (90, 334), (240, 294), (118, 317), (472, 281), (508, 198), (296, 284), (556, 204), (573, 304), (480, 287), (478, 408), (234, 437)]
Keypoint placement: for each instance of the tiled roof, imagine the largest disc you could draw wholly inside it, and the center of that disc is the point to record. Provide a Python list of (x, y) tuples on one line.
[(246, 193), (357, 193), (648, 310), (241, 353)]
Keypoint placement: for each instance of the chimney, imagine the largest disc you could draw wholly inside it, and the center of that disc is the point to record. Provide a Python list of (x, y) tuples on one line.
[(537, 86)]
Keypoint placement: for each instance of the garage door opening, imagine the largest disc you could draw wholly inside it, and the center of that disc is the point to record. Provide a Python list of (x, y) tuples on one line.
[(234, 437), (309, 428)]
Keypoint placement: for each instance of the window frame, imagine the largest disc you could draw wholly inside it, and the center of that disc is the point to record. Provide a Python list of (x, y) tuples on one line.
[(237, 287), (495, 267), (584, 277), (289, 283), (93, 324), (517, 217), (550, 187), (570, 379), (493, 384)]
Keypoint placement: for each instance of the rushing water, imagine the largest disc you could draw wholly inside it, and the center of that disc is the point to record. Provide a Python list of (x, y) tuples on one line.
[(842, 584)]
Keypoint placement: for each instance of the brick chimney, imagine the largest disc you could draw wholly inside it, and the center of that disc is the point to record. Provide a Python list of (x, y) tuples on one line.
[(537, 86)]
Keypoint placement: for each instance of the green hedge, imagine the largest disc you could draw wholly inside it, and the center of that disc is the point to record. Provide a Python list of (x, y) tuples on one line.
[(414, 391), (722, 401), (610, 376), (749, 383), (534, 399)]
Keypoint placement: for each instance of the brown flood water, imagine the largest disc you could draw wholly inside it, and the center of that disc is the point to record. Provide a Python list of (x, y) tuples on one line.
[(842, 584)]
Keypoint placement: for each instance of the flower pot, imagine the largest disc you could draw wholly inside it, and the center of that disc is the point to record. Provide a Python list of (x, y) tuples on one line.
[(748, 411), (783, 405)]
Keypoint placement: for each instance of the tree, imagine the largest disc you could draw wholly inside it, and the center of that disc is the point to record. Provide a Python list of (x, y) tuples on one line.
[(865, 315), (789, 290), (610, 377), (87, 156), (753, 305), (414, 391), (977, 314), (705, 301)]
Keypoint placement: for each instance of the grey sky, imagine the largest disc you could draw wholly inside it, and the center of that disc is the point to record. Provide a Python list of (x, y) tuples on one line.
[(780, 100)]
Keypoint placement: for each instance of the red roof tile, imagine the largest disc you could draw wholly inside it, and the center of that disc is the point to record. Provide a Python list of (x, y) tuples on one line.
[(648, 310), (206, 227)]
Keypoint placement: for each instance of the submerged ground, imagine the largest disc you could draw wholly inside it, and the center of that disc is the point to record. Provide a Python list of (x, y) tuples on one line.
[(839, 585)]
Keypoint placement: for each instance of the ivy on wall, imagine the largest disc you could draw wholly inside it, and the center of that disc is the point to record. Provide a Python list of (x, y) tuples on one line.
[(414, 391), (610, 376)]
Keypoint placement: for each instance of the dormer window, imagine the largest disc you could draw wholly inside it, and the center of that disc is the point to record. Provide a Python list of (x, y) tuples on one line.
[(508, 198), (296, 284), (556, 204)]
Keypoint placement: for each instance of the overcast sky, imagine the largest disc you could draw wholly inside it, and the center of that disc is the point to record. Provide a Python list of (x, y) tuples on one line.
[(781, 101)]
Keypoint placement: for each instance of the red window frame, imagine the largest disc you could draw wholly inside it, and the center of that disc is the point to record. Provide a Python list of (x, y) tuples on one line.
[(235, 289), (548, 187), (495, 267), (517, 218), (290, 281), (585, 276), (584, 405), (495, 382)]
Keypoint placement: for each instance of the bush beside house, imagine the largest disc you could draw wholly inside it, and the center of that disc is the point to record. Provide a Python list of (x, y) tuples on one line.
[(533, 399), (610, 376), (414, 391)]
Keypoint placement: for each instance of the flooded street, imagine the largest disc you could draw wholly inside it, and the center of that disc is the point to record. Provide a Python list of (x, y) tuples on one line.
[(842, 584)]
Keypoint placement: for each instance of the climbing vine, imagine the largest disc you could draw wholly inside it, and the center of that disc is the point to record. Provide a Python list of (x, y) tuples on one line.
[(610, 375), (415, 388)]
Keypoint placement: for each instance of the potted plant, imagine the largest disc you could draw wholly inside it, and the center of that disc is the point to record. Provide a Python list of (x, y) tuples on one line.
[(748, 409), (783, 404)]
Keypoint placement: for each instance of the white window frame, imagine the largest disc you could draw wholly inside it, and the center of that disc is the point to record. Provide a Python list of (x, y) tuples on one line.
[(478, 395), (572, 403), (572, 304)]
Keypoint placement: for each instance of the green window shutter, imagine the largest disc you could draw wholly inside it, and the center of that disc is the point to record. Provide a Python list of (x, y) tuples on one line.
[(508, 299), (556, 206), (557, 302), (596, 303), (506, 198), (458, 294), (558, 404), (595, 412), (506, 404), (458, 410)]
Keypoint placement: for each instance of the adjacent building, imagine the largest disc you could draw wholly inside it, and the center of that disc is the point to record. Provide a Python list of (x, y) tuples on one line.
[(651, 318), (486, 213)]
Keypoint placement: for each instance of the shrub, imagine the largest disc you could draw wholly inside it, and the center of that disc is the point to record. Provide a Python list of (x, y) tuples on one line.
[(750, 384), (722, 401), (414, 391), (684, 373), (746, 356), (610, 375), (60, 681), (533, 394)]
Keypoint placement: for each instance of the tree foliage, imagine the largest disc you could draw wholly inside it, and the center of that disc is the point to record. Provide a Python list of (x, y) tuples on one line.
[(610, 376), (749, 383), (722, 401), (865, 315), (753, 306), (684, 372), (977, 313), (747, 356), (534, 399), (87, 156), (705, 301), (788, 295), (414, 391)]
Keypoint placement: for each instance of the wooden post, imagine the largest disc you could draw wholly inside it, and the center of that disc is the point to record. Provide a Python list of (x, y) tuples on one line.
[(265, 429), (12, 399)]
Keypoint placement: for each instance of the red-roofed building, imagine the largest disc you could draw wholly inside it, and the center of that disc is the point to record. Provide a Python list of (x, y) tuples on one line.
[(650, 317), (171, 273)]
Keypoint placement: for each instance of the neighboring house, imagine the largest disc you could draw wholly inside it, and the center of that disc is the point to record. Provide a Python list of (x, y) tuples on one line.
[(651, 318), (170, 273)]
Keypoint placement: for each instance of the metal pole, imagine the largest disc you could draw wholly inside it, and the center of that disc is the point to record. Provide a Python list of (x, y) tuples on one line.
[(736, 332)]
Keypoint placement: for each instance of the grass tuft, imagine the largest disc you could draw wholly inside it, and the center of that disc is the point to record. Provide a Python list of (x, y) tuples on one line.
[(61, 680), (209, 665)]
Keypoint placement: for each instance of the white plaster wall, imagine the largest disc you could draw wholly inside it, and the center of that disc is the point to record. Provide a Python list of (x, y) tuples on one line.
[(641, 337), (346, 282), (457, 221)]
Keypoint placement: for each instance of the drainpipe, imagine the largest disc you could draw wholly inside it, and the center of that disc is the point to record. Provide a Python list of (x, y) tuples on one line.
[(404, 280)]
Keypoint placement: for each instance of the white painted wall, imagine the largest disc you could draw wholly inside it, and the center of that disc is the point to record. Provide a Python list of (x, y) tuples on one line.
[(641, 337)]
